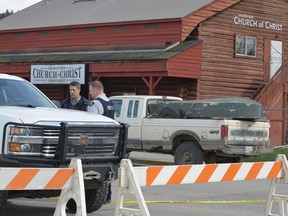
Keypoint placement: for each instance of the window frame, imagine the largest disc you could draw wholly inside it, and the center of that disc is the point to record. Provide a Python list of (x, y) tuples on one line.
[(245, 54)]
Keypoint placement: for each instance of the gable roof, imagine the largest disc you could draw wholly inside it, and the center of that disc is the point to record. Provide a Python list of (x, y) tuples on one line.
[(53, 13)]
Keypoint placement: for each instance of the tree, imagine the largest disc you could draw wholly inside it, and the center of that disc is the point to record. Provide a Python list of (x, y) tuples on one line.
[(7, 13)]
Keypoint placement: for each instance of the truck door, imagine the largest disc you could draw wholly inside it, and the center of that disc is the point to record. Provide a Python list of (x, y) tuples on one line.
[(133, 117)]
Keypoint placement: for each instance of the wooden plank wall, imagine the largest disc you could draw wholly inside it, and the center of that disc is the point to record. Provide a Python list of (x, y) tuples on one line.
[(192, 20), (187, 63), (223, 74), (55, 92), (169, 86), (142, 35)]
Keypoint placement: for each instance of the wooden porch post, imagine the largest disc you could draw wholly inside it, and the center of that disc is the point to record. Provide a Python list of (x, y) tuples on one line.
[(151, 83)]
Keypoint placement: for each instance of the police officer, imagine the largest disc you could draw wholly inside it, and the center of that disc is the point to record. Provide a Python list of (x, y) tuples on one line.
[(75, 101), (100, 104)]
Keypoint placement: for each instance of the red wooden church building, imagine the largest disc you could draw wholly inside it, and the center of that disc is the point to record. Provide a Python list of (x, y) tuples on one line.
[(195, 49)]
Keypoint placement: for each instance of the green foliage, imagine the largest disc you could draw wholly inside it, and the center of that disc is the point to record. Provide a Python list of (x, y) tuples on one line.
[(268, 156), (7, 13)]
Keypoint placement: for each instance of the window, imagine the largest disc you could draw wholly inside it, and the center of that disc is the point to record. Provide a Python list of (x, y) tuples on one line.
[(19, 34), (132, 111), (245, 46), (135, 110), (21, 93), (129, 111), (90, 29), (118, 106), (43, 32), (121, 27), (66, 31), (151, 26)]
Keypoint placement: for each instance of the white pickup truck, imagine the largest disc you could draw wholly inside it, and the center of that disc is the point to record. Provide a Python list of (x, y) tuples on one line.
[(35, 133), (156, 125)]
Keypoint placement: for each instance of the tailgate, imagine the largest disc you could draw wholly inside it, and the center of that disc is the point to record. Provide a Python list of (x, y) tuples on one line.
[(248, 132)]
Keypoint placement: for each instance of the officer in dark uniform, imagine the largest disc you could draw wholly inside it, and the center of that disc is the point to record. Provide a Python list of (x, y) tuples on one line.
[(75, 101), (100, 104)]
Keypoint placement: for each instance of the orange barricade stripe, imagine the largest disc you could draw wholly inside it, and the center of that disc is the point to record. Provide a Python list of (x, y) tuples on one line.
[(152, 173), (255, 169), (59, 179), (275, 170), (206, 173), (22, 179), (231, 172), (179, 175)]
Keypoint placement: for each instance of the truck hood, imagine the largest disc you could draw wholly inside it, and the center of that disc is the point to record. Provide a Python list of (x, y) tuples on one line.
[(48, 115)]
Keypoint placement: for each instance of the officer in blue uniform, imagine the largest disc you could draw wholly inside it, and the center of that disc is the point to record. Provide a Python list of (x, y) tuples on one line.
[(100, 104)]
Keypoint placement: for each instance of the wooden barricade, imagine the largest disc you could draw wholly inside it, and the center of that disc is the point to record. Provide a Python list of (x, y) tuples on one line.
[(132, 178), (68, 180)]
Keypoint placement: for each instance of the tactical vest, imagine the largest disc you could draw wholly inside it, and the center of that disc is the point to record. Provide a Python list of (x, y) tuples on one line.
[(108, 108)]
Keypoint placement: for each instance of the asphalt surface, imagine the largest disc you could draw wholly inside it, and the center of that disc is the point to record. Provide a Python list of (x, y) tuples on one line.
[(240, 198), (237, 198), (149, 158)]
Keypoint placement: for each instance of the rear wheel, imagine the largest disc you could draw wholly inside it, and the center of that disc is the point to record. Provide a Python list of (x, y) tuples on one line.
[(95, 198), (188, 153)]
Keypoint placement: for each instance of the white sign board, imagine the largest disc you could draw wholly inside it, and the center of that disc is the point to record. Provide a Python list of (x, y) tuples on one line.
[(57, 74)]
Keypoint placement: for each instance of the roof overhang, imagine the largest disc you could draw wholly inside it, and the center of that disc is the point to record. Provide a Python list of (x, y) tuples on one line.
[(111, 58)]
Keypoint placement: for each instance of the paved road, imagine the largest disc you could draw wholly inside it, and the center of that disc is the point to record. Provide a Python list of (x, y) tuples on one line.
[(144, 158), (239, 198), (224, 199)]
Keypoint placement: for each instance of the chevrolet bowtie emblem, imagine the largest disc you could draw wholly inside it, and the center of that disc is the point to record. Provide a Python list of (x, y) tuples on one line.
[(84, 140)]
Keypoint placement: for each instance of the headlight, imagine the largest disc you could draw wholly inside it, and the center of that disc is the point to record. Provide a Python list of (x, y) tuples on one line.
[(23, 140), (20, 131)]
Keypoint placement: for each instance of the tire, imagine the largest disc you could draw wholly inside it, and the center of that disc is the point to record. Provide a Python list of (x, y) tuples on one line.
[(95, 198), (188, 153), (3, 199), (168, 112)]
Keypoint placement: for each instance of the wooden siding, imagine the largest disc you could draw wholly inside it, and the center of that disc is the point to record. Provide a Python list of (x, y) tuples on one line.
[(55, 92), (136, 36), (22, 70), (128, 69), (186, 64), (276, 117), (223, 74), (170, 86), (192, 20)]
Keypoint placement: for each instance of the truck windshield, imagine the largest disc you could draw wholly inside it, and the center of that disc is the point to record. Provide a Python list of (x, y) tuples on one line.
[(21, 93)]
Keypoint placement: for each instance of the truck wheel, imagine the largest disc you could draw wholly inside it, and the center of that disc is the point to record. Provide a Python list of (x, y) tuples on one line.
[(95, 198), (188, 153), (3, 199), (167, 112)]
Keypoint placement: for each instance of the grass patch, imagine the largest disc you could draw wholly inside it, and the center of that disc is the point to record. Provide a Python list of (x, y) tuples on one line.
[(271, 156)]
